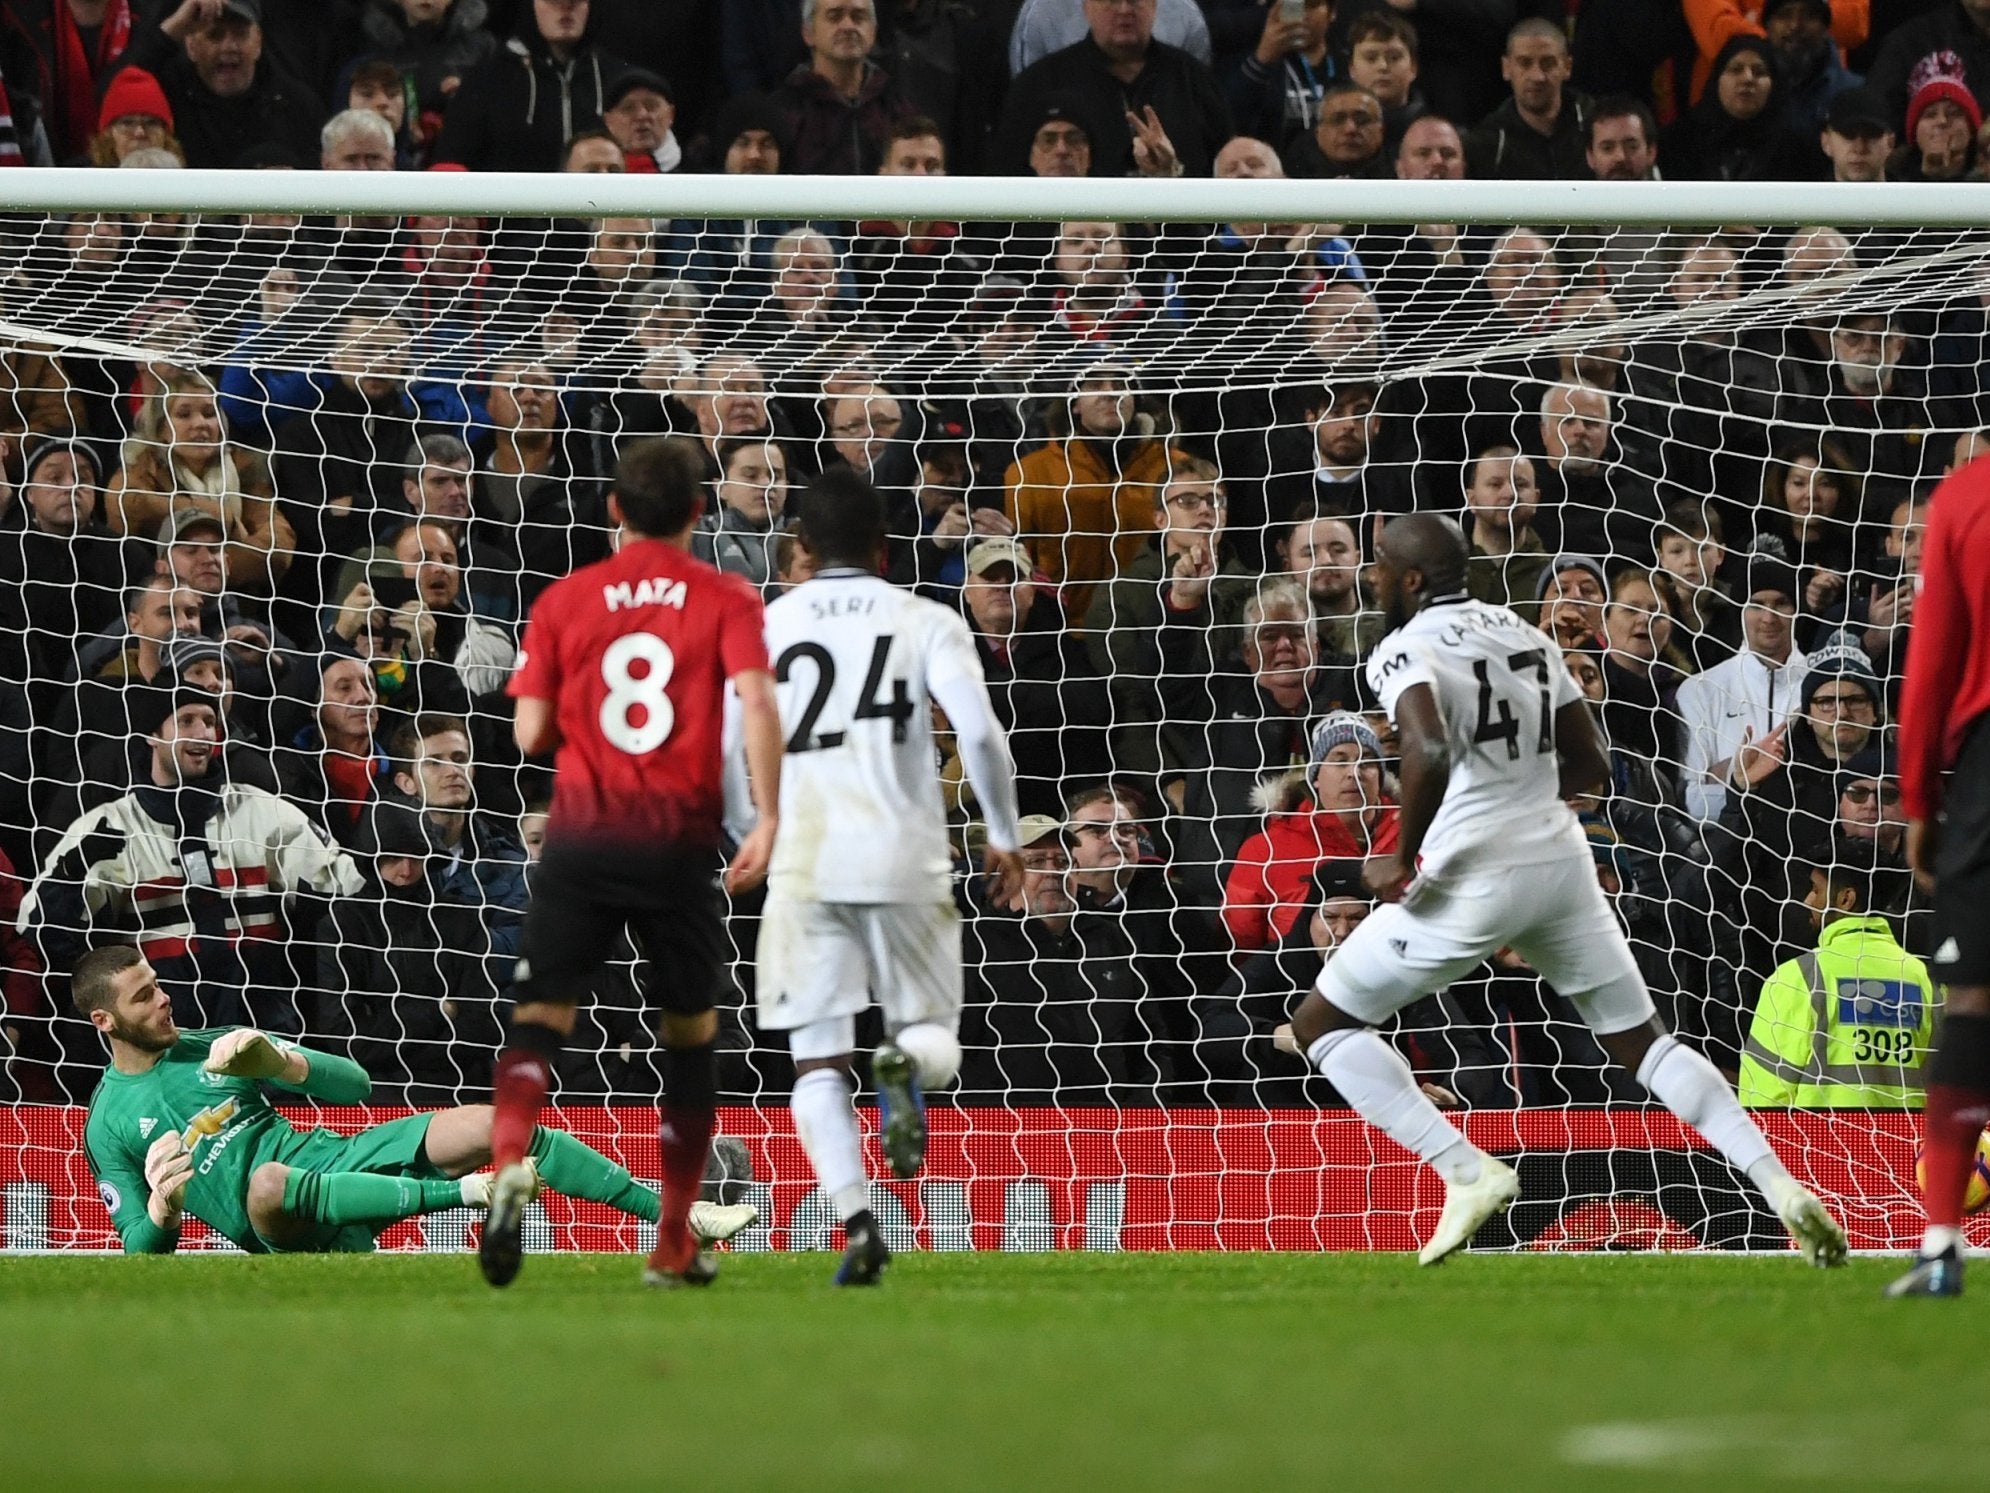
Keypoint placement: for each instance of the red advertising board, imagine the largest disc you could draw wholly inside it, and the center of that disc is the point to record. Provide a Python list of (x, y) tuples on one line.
[(1154, 1179)]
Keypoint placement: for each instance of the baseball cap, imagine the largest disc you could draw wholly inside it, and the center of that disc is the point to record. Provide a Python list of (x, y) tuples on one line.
[(1857, 111), (1032, 829), (248, 10), (995, 550), (181, 523)]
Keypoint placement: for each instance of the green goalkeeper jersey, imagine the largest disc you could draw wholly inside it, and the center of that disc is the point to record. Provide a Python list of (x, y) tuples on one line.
[(227, 1123)]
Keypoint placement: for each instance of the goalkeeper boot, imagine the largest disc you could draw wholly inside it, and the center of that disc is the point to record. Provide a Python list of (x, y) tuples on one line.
[(1813, 1228), (714, 1223), (901, 1109), (1932, 1275), (501, 1249), (1467, 1205), (866, 1257)]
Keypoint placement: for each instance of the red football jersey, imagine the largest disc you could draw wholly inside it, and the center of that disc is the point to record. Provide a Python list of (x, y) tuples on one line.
[(634, 652)]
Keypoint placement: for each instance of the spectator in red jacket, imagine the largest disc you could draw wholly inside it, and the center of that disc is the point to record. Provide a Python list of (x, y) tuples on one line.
[(1349, 815)]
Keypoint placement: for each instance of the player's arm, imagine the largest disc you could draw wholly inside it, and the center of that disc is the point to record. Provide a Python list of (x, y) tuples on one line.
[(760, 737), (248, 1053), (1585, 766), (1425, 772), (147, 1218), (1938, 647), (955, 680), (533, 726)]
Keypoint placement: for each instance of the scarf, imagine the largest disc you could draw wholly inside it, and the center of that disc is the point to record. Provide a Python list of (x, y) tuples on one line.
[(77, 74)]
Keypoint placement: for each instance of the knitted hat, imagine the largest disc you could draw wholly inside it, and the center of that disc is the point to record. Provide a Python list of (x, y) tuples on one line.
[(183, 650), (1338, 729), (1338, 878), (36, 449), (1770, 572), (1570, 562), (148, 706), (1938, 76), (1874, 763), (133, 91), (1840, 659)]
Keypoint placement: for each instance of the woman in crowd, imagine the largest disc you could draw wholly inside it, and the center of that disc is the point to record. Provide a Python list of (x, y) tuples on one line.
[(1738, 131), (1810, 502), (749, 501), (182, 458)]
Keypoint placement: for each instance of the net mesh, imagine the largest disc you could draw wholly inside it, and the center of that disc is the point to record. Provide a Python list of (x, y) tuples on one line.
[(398, 432)]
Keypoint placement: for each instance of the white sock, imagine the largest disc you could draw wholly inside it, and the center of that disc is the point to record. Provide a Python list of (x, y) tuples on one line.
[(1940, 1236), (1372, 1076), (827, 1126), (934, 1051), (1693, 1089)]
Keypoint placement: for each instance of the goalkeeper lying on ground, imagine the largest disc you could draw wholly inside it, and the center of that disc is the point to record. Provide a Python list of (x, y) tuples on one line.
[(180, 1122)]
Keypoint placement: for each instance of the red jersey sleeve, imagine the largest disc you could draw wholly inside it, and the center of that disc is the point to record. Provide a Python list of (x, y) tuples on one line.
[(537, 674), (742, 630), (1936, 701)]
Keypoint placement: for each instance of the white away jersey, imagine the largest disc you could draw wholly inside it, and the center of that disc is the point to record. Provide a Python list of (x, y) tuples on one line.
[(856, 664), (1498, 683)]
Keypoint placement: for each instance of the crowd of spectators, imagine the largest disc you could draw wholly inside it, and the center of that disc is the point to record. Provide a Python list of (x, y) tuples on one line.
[(261, 590)]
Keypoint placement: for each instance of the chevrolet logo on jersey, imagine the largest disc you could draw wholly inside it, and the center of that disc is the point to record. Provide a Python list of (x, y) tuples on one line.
[(1879, 1003), (210, 1121)]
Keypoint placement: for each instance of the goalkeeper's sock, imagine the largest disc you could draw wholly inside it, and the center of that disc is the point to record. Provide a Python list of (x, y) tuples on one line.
[(1958, 1109), (827, 1126), (1372, 1076), (366, 1197), (518, 1089), (1693, 1089), (690, 1099), (578, 1170)]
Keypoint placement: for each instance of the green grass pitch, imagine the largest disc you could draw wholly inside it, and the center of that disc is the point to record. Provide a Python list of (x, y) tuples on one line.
[(1133, 1371)]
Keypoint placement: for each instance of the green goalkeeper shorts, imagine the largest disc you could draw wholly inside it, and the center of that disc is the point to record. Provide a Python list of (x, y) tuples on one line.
[(394, 1149)]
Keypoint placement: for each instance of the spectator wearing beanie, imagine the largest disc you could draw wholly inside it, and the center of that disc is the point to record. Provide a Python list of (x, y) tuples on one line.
[(638, 112), (135, 115), (1948, 38), (1335, 807), (1943, 118)]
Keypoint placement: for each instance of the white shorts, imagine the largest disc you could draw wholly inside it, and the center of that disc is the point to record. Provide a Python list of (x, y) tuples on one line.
[(821, 960), (1552, 914)]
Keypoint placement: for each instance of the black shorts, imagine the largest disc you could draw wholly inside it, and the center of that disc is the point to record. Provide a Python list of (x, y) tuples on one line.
[(1962, 867), (585, 894)]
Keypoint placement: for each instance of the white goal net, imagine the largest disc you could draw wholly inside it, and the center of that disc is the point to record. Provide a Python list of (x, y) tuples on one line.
[(323, 464)]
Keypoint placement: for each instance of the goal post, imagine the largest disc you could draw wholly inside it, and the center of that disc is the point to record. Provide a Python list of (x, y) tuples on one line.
[(325, 437)]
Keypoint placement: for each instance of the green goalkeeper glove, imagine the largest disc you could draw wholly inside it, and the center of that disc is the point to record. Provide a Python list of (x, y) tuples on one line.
[(247, 1053)]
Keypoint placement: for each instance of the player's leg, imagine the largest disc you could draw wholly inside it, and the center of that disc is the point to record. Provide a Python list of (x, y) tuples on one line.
[(1397, 956), (291, 1206), (682, 931), (560, 950), (458, 1144), (916, 970), (1958, 1108), (813, 978), (826, 1124), (1579, 948)]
